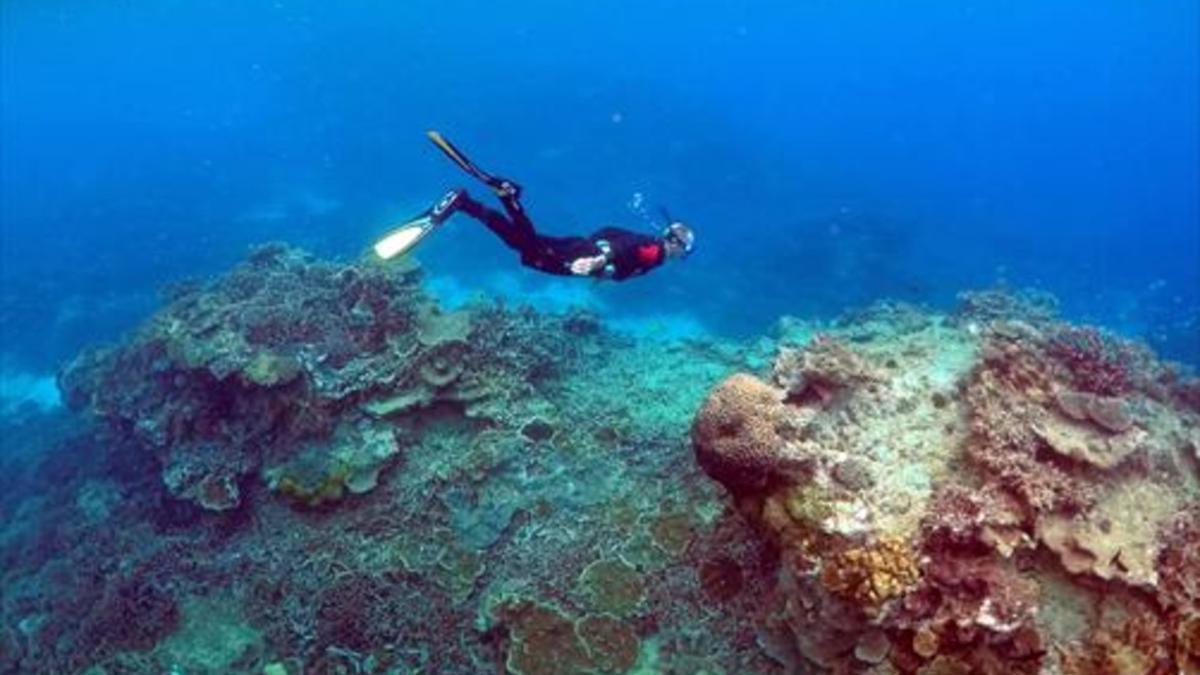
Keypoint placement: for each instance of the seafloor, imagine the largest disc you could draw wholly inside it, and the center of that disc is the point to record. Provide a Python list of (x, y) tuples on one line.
[(308, 467)]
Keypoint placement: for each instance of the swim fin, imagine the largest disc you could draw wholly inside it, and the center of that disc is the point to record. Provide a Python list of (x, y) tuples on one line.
[(404, 238), (501, 186)]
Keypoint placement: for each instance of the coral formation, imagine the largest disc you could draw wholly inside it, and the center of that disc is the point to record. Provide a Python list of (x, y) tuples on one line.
[(612, 587), (307, 466), (736, 434), (1033, 477), (871, 575), (286, 354), (822, 370)]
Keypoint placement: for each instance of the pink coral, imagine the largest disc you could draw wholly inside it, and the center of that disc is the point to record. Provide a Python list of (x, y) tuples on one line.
[(1095, 362), (1179, 562), (1005, 397)]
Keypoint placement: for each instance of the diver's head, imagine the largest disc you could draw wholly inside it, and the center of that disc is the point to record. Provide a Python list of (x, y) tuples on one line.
[(678, 240)]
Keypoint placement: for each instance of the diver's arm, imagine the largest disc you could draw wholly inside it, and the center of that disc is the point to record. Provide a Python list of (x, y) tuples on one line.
[(595, 265), (588, 266)]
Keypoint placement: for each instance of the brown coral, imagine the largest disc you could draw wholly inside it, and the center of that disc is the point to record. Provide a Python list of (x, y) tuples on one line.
[(547, 642), (611, 644), (612, 586), (544, 641), (1187, 646), (736, 434)]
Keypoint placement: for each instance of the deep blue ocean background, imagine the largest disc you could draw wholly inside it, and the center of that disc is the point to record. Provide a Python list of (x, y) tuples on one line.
[(828, 154)]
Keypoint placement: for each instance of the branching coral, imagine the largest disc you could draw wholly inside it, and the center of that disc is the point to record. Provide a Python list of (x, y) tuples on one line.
[(963, 520), (347, 612), (1005, 397), (1096, 363), (1179, 562)]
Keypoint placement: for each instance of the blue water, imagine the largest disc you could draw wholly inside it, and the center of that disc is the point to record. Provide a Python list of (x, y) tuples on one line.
[(828, 153)]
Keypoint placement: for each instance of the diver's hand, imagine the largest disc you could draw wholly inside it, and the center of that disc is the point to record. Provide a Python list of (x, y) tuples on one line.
[(587, 266)]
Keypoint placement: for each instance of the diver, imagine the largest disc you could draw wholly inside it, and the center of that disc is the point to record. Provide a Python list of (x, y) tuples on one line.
[(609, 253)]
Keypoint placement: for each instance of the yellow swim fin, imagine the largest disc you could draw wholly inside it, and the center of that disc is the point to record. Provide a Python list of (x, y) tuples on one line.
[(457, 156), (403, 239), (501, 186)]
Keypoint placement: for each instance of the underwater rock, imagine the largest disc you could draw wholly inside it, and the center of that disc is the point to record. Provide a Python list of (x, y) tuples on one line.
[(212, 637), (1018, 481), (1108, 413)]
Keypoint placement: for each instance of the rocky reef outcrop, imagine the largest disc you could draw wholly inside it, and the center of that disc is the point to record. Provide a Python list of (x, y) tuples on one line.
[(992, 492)]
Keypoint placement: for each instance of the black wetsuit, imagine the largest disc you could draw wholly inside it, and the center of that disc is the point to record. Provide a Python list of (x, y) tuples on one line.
[(629, 253)]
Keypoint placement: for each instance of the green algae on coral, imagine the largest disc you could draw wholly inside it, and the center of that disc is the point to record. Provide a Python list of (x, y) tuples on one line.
[(611, 644), (328, 489)]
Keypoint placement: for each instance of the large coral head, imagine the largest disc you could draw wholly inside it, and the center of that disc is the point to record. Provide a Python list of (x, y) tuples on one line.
[(736, 434)]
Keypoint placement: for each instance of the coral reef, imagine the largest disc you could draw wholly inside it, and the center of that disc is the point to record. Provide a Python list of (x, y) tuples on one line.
[(309, 467), (285, 354), (967, 496)]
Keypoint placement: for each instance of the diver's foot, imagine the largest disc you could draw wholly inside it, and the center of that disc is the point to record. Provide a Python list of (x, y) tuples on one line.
[(446, 206)]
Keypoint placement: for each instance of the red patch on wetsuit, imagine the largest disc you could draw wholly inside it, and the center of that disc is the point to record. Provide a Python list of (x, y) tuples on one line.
[(648, 254)]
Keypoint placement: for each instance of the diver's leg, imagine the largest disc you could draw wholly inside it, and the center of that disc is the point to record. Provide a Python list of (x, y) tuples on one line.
[(517, 232), (516, 212)]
